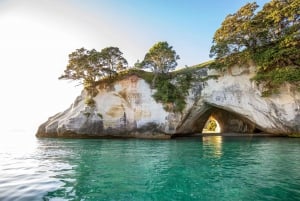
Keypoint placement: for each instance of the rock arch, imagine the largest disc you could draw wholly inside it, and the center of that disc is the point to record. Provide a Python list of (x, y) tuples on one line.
[(229, 121)]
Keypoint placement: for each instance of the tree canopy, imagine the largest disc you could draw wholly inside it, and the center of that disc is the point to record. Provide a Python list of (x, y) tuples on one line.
[(270, 38), (236, 32), (84, 65), (90, 66), (112, 60), (248, 30), (161, 58)]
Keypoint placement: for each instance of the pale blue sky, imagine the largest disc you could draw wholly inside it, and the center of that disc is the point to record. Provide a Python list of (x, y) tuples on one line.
[(37, 35), (188, 25)]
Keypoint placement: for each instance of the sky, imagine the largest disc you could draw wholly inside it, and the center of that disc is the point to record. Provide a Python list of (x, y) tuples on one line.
[(36, 37)]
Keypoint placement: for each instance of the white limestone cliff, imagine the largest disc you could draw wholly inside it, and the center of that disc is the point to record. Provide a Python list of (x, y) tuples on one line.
[(126, 108), (123, 109)]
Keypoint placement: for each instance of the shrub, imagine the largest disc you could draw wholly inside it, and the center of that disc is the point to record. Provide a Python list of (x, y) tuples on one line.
[(274, 78), (172, 95), (89, 101), (100, 115)]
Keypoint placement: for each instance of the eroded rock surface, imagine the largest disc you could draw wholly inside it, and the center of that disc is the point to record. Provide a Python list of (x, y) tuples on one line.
[(126, 108)]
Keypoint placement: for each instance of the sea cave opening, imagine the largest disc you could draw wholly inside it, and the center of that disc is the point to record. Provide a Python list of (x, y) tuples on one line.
[(211, 126), (212, 119)]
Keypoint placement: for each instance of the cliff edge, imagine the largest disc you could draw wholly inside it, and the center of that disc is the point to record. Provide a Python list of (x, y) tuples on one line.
[(126, 108)]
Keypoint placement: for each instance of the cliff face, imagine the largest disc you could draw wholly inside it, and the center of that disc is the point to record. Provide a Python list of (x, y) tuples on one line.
[(123, 109), (237, 103), (126, 109)]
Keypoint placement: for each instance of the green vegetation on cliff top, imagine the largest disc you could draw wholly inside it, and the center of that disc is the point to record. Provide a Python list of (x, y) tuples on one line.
[(270, 38)]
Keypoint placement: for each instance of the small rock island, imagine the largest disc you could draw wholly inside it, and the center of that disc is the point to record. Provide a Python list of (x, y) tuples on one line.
[(127, 108), (252, 85)]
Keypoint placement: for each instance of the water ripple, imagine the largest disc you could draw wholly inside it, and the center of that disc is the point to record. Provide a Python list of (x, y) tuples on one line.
[(212, 168)]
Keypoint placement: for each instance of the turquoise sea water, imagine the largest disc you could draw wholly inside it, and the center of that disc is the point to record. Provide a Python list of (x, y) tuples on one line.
[(208, 168)]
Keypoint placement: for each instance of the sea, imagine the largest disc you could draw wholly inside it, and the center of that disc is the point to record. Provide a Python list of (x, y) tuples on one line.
[(197, 168)]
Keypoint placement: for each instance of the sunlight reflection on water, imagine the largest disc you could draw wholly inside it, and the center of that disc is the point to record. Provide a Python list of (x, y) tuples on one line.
[(213, 143), (191, 169), (18, 142)]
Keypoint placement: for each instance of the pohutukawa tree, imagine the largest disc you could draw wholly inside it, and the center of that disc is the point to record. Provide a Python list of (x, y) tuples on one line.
[(236, 32), (270, 38), (161, 58), (84, 65), (90, 66), (112, 60), (279, 20)]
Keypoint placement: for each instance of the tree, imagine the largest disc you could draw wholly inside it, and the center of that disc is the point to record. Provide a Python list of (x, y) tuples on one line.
[(161, 58), (112, 60), (279, 18), (84, 66), (236, 32), (247, 30), (269, 37), (91, 66)]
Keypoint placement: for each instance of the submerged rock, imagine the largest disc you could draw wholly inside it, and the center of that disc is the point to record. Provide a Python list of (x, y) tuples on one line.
[(126, 108)]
